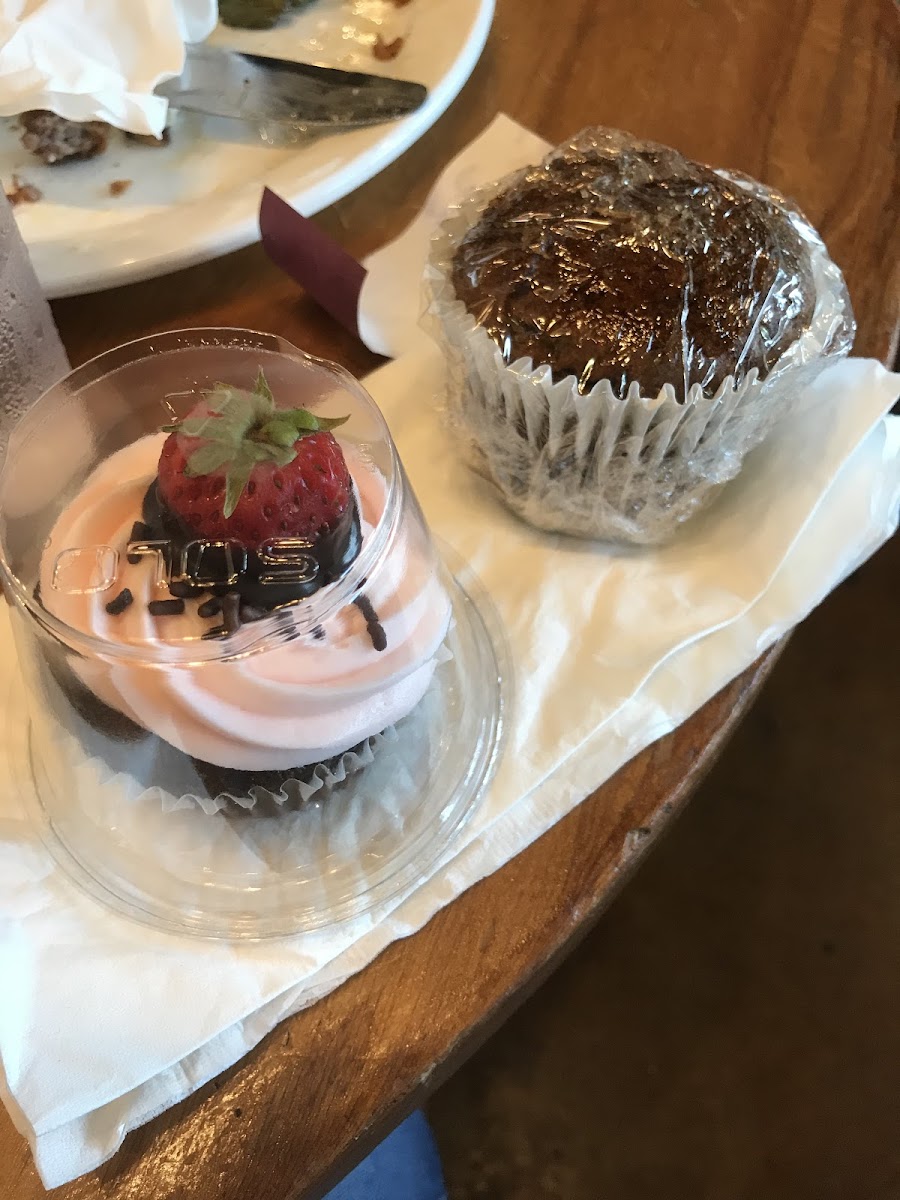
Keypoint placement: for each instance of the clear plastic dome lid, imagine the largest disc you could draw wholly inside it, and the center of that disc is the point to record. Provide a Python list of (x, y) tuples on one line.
[(83, 518), (254, 706)]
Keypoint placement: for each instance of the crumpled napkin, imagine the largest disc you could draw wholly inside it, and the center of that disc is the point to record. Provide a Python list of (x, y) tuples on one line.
[(610, 650), (97, 60)]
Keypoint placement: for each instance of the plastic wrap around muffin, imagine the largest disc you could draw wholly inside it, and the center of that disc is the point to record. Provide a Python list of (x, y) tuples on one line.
[(622, 327)]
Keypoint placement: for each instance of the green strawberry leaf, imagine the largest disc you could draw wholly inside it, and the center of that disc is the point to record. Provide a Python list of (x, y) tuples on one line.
[(226, 398), (279, 432), (262, 409), (257, 452), (237, 413), (218, 429), (261, 388), (191, 427), (210, 457), (282, 455), (235, 481), (303, 421), (307, 422), (327, 423), (290, 424)]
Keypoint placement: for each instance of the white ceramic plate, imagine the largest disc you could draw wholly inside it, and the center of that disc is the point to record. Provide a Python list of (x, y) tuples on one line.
[(199, 196)]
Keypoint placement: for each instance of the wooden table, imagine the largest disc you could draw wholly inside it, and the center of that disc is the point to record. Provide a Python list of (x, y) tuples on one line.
[(803, 95)]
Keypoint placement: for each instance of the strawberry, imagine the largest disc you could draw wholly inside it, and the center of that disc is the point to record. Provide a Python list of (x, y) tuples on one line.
[(239, 467)]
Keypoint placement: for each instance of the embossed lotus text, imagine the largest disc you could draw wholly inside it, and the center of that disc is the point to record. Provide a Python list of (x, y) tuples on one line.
[(200, 563)]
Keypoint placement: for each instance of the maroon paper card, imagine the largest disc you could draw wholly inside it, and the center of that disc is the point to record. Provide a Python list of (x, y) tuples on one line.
[(311, 258)]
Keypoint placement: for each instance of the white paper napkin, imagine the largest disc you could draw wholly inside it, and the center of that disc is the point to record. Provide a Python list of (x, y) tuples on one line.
[(611, 649), (388, 321), (97, 59)]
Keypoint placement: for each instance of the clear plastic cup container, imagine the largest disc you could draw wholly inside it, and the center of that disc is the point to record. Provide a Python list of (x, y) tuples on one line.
[(31, 354), (228, 736)]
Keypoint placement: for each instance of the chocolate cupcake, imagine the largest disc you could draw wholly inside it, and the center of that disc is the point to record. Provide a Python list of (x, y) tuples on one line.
[(623, 326), (268, 793), (235, 605)]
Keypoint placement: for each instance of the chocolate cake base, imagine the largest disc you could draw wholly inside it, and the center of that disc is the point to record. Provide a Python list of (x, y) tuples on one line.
[(261, 787), (106, 720)]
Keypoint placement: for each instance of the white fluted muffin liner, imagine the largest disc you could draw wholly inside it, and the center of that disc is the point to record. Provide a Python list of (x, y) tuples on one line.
[(593, 464)]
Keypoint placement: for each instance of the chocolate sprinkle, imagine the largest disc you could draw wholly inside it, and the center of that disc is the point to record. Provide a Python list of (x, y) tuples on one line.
[(374, 628), (231, 611), (217, 631), (210, 608), (250, 613), (165, 608), (119, 603), (319, 633), (140, 532), (184, 590)]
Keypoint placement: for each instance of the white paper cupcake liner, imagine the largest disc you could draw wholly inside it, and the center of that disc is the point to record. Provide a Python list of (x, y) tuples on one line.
[(596, 465)]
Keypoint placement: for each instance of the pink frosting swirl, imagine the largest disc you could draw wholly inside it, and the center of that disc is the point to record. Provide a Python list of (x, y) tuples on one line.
[(287, 705)]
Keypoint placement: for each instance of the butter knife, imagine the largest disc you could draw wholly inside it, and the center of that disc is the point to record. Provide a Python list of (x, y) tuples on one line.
[(251, 87)]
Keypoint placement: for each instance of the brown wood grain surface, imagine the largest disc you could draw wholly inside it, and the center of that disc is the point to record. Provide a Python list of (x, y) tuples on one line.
[(804, 95)]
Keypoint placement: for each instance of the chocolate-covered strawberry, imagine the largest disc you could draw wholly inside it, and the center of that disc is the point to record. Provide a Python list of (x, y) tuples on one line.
[(239, 468)]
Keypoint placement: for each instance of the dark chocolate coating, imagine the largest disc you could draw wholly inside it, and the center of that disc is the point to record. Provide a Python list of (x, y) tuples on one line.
[(623, 260), (333, 552)]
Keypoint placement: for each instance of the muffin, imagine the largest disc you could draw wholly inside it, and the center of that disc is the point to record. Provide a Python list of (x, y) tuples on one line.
[(623, 325)]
